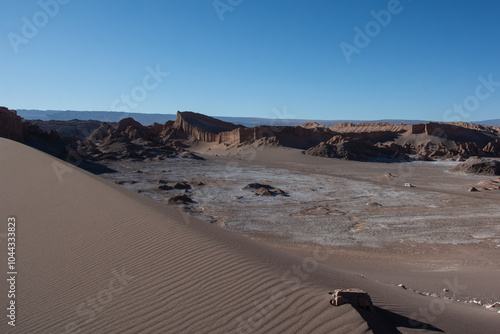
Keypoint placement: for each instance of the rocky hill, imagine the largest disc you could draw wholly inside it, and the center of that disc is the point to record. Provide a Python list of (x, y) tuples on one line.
[(11, 125), (72, 128), (478, 166), (369, 141), (14, 127)]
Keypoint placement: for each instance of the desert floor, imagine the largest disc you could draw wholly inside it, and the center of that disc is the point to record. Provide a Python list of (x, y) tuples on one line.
[(436, 238)]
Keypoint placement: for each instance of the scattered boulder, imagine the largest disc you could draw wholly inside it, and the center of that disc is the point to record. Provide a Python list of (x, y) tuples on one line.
[(182, 185), (494, 306), (278, 191), (263, 191), (180, 199), (165, 187), (125, 181), (256, 186), (355, 297)]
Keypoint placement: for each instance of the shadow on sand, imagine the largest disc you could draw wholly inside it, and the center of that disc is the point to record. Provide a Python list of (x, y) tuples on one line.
[(386, 322), (95, 168)]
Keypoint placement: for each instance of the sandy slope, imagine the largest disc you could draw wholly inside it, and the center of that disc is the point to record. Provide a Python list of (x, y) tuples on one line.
[(95, 258), (100, 259)]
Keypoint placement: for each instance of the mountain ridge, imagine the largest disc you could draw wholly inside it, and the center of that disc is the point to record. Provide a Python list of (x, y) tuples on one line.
[(150, 119)]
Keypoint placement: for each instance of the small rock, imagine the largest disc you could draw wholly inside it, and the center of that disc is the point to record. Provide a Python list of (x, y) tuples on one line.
[(446, 290), (278, 191), (356, 297), (494, 305), (124, 182), (181, 199), (182, 185), (473, 189), (263, 192), (256, 186), (165, 187), (402, 286)]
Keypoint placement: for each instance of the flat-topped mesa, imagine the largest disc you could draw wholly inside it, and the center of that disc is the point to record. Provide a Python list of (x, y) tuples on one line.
[(202, 127), (11, 125), (207, 129)]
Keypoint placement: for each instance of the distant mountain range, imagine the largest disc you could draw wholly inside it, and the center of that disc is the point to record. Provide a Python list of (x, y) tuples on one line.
[(149, 119)]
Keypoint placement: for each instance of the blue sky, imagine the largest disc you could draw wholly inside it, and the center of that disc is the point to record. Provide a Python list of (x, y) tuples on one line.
[(421, 59)]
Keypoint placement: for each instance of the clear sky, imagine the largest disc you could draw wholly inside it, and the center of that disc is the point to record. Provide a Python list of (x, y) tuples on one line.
[(317, 59)]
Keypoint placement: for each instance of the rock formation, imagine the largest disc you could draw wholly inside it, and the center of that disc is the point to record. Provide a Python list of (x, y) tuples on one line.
[(373, 141), (480, 166), (74, 128), (377, 141), (11, 125)]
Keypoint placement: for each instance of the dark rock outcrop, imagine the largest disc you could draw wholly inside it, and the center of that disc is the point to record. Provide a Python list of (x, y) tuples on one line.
[(11, 125), (355, 150), (492, 148), (479, 166)]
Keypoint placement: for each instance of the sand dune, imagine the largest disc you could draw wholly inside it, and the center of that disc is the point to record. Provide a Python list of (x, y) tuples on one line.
[(78, 238), (95, 258)]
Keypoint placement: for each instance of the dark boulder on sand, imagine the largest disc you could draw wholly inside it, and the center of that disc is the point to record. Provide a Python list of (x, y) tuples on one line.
[(180, 199)]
